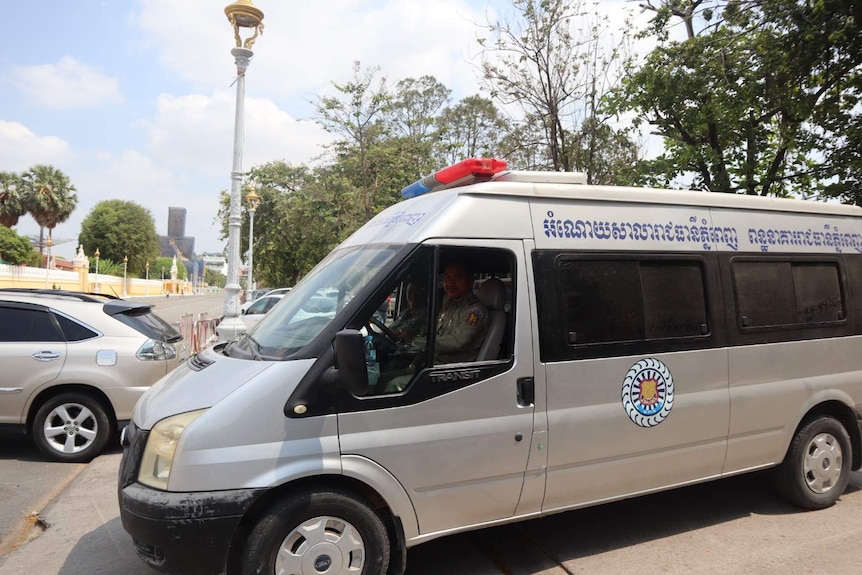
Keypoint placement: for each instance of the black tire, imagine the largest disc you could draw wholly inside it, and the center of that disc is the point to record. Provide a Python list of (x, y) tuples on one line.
[(72, 428), (816, 469), (340, 530)]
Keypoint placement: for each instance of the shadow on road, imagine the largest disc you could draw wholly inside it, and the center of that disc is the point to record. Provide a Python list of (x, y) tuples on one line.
[(539, 545)]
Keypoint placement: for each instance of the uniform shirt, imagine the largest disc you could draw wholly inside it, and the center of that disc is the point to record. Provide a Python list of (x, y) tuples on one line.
[(410, 324), (461, 328)]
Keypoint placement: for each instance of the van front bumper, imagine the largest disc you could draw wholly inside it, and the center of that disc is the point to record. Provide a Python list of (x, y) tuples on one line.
[(178, 533), (184, 532)]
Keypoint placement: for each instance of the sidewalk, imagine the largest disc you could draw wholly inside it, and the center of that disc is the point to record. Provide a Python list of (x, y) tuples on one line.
[(85, 535)]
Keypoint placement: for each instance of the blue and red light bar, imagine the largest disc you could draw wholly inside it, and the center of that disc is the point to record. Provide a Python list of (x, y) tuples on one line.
[(470, 170)]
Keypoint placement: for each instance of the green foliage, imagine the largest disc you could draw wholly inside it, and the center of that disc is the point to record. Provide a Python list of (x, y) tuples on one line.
[(107, 267), (166, 263), (49, 195), (760, 98), (12, 203), (553, 64), (120, 229), (15, 249), (472, 128), (214, 278)]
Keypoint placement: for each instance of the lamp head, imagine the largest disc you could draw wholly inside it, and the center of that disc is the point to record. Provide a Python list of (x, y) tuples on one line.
[(244, 14), (253, 199)]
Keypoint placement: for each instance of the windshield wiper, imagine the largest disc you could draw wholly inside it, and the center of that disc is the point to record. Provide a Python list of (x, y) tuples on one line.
[(255, 354)]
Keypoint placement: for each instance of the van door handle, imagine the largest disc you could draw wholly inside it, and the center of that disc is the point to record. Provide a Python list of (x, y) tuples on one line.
[(526, 391), (46, 355)]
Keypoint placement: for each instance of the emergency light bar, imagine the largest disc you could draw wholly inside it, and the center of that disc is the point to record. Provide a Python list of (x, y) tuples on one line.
[(464, 172)]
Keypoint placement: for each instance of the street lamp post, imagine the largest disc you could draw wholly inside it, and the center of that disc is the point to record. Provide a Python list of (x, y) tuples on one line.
[(163, 279), (241, 14), (48, 243), (147, 288), (97, 269), (253, 201), (125, 266)]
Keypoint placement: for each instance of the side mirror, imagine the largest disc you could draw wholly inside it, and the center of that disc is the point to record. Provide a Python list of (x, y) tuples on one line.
[(351, 372)]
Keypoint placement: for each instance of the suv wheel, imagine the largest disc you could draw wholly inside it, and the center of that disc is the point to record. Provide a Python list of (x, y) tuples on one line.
[(71, 427)]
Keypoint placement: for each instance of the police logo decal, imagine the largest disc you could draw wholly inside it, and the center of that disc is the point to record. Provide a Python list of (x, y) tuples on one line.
[(648, 392)]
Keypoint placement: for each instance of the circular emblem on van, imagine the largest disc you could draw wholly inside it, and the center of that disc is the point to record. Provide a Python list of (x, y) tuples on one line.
[(648, 392), (322, 563)]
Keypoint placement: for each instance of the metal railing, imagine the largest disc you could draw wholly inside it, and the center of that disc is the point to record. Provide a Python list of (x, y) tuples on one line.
[(199, 333)]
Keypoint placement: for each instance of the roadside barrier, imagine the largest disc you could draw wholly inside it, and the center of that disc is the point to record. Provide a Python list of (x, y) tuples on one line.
[(199, 333)]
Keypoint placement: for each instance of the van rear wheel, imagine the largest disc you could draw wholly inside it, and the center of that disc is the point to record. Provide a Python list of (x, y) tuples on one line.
[(816, 468), (310, 533)]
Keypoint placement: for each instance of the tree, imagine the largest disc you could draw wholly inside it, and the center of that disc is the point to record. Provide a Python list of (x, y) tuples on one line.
[(756, 98), (214, 278), (16, 250), (119, 229), (12, 204), (552, 66), (471, 128), (357, 116), (302, 215), (50, 196)]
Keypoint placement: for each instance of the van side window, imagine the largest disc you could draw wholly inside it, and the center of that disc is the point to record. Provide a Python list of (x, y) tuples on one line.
[(616, 301), (447, 306), (787, 294), (589, 301)]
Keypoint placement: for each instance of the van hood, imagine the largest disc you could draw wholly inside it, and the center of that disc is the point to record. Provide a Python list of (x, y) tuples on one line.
[(199, 383)]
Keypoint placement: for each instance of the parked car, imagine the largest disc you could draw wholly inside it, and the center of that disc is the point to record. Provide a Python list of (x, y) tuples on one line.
[(255, 312), (279, 291), (75, 364), (257, 294)]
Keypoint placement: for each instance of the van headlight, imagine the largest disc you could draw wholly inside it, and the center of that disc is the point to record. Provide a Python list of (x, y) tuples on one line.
[(161, 447)]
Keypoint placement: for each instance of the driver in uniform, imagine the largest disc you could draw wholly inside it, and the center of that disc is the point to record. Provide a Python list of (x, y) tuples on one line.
[(463, 320)]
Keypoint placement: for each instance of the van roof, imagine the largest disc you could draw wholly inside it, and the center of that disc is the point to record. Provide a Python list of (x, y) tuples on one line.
[(568, 186), (492, 176)]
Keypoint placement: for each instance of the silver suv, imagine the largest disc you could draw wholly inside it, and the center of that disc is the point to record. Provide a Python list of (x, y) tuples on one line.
[(74, 364)]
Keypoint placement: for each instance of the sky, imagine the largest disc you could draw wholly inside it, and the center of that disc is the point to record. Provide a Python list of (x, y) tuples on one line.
[(134, 99)]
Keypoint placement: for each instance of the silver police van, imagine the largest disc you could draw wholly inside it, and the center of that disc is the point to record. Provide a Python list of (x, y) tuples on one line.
[(501, 346)]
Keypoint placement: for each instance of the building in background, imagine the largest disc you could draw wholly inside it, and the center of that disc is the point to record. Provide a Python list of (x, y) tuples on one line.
[(176, 243)]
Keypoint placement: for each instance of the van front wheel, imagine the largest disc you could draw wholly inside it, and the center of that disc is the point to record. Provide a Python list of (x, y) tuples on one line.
[(310, 533), (816, 468)]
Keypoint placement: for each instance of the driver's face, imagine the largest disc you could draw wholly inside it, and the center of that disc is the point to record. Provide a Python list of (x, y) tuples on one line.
[(457, 282)]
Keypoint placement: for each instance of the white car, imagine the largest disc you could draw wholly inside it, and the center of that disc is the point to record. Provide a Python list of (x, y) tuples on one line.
[(258, 308), (278, 291), (75, 364)]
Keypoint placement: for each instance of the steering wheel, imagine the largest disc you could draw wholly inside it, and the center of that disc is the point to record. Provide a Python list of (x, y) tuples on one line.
[(388, 334)]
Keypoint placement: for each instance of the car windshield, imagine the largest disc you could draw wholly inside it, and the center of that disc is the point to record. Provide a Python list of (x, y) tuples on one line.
[(312, 304)]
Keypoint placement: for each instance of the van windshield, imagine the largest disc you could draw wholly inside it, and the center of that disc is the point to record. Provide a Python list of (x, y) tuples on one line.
[(312, 304)]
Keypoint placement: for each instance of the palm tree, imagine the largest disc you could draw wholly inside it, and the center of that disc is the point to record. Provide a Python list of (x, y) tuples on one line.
[(50, 199), (11, 200)]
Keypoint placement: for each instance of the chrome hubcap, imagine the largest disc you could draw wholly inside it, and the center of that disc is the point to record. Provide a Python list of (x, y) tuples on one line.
[(822, 463), (70, 428), (322, 545)]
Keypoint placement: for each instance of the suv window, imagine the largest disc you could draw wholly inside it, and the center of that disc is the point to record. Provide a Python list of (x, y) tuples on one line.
[(17, 324), (141, 319), (74, 331)]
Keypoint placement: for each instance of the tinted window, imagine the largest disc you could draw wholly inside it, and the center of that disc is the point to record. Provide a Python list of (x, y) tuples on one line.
[(142, 320), (73, 331), (18, 324), (783, 293), (606, 301)]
